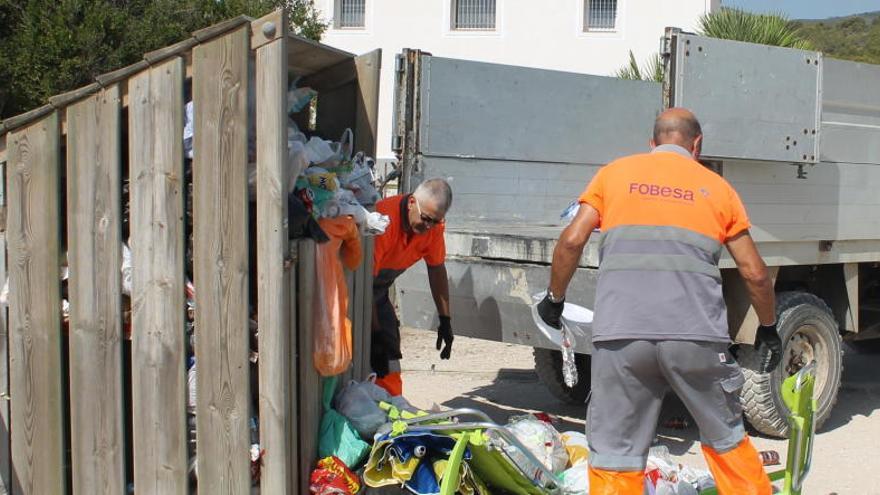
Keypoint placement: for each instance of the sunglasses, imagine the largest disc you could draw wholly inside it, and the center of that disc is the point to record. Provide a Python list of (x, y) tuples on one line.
[(425, 218)]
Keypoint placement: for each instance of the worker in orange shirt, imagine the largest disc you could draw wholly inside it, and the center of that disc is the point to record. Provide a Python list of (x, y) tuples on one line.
[(660, 320), (414, 233)]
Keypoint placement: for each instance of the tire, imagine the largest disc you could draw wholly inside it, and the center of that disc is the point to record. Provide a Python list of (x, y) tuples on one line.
[(808, 331), (548, 366)]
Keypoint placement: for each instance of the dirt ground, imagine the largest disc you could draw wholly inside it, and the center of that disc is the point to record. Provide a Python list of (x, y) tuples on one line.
[(499, 380)]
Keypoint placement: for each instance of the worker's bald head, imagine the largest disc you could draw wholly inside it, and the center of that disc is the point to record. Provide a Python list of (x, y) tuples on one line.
[(677, 126)]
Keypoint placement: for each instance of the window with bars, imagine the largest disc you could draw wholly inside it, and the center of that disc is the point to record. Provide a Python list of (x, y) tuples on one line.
[(473, 15), (600, 15), (350, 14)]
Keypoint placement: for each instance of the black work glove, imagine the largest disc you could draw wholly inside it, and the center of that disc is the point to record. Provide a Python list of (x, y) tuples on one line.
[(378, 356), (551, 312), (769, 347), (444, 336)]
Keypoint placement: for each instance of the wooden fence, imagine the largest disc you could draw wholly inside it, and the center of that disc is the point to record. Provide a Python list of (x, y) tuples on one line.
[(81, 413)]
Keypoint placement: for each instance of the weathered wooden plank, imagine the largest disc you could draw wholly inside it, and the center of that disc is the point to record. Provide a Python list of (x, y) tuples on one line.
[(306, 57), (209, 33), (123, 73), (221, 262), (309, 388), (157, 245), (5, 454), (353, 316), (362, 342), (293, 357), (64, 99), (332, 77), (94, 257), (368, 68), (336, 111), (178, 49), (34, 308), (273, 278), (27, 118), (5, 479), (269, 28)]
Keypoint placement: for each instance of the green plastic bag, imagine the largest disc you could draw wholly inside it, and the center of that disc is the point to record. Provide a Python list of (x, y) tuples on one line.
[(337, 436)]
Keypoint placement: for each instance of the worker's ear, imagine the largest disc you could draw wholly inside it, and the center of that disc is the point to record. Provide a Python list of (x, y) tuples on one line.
[(651, 143), (698, 147)]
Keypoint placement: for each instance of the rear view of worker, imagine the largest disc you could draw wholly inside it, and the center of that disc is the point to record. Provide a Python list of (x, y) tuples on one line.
[(415, 233), (660, 320)]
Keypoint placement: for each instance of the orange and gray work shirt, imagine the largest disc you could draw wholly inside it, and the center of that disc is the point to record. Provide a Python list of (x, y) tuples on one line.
[(398, 248), (664, 220), (395, 251)]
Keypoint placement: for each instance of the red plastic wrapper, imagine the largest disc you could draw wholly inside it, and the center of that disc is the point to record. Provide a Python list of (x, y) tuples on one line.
[(653, 475), (332, 477)]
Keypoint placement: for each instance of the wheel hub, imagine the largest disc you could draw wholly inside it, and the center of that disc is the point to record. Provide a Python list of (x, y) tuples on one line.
[(804, 346)]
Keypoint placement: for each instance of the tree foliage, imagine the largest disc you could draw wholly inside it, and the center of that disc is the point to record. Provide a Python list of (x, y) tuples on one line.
[(52, 46), (850, 38), (652, 70)]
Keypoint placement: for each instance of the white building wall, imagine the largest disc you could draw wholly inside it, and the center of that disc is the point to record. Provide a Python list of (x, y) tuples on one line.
[(531, 33)]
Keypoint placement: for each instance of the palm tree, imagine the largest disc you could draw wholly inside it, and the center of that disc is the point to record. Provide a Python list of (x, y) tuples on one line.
[(727, 24), (651, 71), (765, 29)]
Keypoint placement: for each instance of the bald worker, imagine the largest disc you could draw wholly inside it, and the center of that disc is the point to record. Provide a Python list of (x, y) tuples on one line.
[(660, 319)]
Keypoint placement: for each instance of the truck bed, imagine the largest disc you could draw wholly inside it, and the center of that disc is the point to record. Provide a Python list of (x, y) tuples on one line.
[(520, 242)]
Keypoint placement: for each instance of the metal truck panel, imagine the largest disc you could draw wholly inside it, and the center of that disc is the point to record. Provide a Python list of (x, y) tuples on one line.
[(489, 299), (850, 113), (831, 202), (755, 102), (509, 191)]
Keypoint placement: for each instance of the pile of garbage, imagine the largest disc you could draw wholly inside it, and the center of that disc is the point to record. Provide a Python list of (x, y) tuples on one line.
[(328, 178), (369, 441), (330, 194)]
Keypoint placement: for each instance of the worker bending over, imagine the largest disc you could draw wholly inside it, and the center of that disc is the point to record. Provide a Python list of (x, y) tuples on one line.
[(660, 320), (415, 233)]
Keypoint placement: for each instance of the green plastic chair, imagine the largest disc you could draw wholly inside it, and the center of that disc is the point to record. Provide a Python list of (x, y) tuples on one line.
[(491, 465), (797, 393)]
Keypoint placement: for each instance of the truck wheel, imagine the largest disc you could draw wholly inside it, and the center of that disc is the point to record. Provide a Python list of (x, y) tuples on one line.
[(548, 366), (809, 332)]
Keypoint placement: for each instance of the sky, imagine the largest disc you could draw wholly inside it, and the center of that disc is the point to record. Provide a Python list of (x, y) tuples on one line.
[(806, 9)]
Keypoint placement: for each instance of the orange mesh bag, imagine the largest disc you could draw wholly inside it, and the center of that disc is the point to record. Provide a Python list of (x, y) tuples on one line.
[(332, 329)]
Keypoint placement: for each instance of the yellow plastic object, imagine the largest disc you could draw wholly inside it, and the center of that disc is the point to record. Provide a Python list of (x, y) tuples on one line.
[(797, 394), (576, 447)]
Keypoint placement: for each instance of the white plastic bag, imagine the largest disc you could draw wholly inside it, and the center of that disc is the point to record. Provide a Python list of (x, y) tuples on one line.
[(570, 212), (541, 439), (318, 150), (358, 402), (576, 322), (126, 269), (191, 389), (576, 480), (361, 179), (188, 129)]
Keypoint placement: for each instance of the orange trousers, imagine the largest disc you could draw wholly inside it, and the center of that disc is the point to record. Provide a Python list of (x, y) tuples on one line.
[(392, 383), (736, 472)]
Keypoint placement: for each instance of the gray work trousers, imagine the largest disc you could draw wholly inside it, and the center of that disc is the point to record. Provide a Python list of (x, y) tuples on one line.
[(629, 381)]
